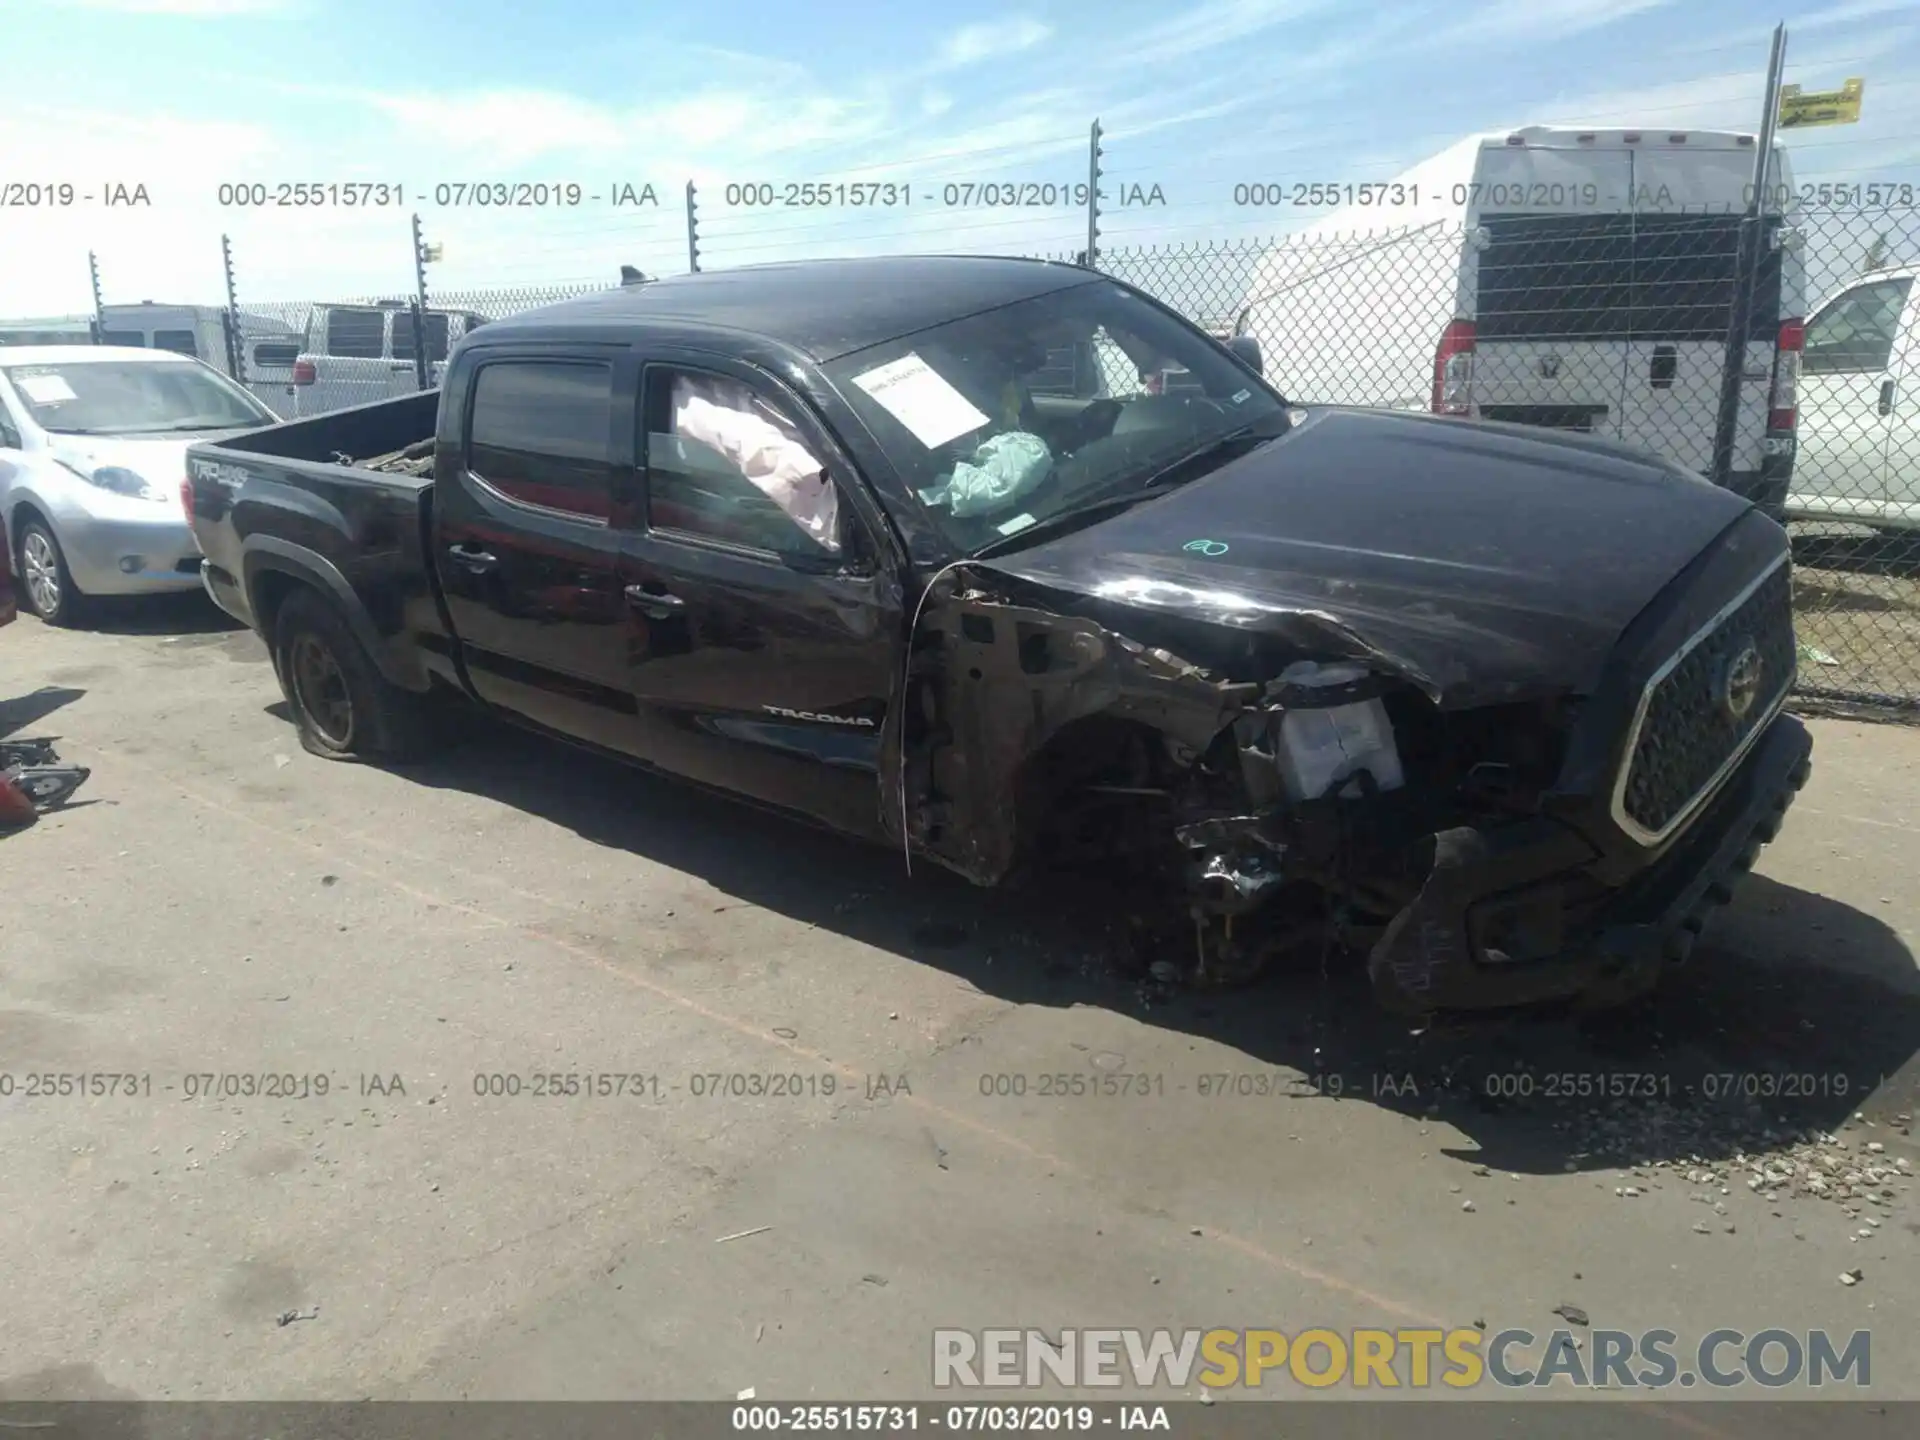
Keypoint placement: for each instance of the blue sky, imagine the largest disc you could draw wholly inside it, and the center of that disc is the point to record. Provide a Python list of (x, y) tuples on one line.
[(184, 95)]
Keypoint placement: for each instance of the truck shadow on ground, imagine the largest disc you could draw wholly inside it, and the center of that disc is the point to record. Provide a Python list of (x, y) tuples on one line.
[(1740, 1047), (188, 612)]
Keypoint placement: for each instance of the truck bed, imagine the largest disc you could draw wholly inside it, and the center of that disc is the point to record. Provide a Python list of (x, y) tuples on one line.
[(342, 503), (349, 437)]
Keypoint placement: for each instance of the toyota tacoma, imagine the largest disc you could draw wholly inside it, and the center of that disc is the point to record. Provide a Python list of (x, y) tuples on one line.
[(920, 550)]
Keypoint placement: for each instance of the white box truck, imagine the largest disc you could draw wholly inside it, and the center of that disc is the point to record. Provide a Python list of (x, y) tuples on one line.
[(1577, 279)]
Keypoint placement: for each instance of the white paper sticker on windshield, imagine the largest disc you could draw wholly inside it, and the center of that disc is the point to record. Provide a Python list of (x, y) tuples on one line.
[(45, 389), (922, 399), (1015, 525)]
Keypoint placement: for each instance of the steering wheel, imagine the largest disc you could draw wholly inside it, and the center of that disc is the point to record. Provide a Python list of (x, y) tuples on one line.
[(1093, 423)]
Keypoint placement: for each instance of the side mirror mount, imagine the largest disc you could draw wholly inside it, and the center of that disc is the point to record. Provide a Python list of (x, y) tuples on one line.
[(1246, 350)]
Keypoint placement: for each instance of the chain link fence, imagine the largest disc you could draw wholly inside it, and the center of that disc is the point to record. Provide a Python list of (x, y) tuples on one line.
[(1609, 325), (1618, 327)]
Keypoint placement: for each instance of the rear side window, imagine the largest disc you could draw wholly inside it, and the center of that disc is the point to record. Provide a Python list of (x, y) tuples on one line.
[(181, 342), (1856, 332), (540, 434), (357, 334), (124, 337), (403, 336), (276, 352)]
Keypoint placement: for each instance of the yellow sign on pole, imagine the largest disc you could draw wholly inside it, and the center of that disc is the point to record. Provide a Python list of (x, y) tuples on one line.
[(1821, 107)]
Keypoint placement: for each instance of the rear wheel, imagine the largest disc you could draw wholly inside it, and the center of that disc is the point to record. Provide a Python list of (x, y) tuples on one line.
[(342, 705), (51, 593)]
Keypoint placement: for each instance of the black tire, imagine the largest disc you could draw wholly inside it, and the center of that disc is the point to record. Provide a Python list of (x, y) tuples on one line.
[(343, 707), (41, 566)]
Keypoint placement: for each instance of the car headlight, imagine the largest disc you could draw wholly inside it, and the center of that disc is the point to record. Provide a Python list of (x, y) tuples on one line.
[(117, 479)]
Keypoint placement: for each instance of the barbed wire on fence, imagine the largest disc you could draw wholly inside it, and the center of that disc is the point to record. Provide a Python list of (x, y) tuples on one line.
[(1606, 324)]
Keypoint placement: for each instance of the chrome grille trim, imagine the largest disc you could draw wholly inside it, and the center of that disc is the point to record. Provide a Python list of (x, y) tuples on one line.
[(1707, 791)]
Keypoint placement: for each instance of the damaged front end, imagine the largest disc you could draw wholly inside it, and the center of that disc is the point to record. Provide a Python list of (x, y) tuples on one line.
[(1278, 783)]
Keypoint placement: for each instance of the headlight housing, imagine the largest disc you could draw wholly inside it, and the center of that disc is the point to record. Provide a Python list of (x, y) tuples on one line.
[(116, 479)]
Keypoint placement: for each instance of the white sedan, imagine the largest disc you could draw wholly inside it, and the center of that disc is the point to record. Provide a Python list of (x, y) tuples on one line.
[(93, 444)]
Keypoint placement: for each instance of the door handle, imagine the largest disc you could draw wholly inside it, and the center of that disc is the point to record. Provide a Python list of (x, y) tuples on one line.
[(1885, 407), (658, 604), (474, 560), (1662, 367)]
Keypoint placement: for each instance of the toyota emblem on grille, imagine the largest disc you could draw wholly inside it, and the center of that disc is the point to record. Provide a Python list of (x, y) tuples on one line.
[(1549, 366), (1740, 681)]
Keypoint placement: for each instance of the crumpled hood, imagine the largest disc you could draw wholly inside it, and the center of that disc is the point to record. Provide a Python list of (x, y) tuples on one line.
[(1484, 562)]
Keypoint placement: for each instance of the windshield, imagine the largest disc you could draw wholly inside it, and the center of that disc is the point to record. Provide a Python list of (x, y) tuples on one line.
[(1000, 420), (121, 397)]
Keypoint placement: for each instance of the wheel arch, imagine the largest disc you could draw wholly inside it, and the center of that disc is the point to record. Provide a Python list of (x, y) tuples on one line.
[(272, 569)]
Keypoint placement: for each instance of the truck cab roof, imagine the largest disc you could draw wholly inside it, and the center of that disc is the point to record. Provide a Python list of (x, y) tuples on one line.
[(823, 308)]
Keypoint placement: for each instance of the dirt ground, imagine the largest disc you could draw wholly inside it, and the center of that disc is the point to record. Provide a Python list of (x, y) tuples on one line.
[(1856, 606), (218, 903)]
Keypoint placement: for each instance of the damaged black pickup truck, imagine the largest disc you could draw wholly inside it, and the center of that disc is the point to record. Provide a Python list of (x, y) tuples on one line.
[(1500, 710)]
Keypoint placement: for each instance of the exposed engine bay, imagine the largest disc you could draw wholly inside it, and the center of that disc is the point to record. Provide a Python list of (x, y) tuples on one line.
[(1257, 798)]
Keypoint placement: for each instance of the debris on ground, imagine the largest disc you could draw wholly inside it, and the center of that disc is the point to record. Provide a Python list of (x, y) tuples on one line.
[(743, 1234), (1572, 1314)]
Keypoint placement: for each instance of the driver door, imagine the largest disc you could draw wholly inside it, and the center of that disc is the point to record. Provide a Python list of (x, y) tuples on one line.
[(761, 662)]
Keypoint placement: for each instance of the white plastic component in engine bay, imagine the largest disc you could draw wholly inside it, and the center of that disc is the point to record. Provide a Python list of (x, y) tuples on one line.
[(1320, 747)]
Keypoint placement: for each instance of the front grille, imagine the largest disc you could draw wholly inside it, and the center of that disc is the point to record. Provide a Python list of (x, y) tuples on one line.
[(1689, 735)]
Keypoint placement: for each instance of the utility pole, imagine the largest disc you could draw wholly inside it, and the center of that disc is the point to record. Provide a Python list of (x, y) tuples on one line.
[(99, 306), (421, 255), (1747, 259), (236, 351), (1093, 198), (693, 230)]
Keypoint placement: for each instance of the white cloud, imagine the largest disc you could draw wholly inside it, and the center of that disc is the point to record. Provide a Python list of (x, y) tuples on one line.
[(1511, 22), (974, 43), (1202, 28), (1847, 14)]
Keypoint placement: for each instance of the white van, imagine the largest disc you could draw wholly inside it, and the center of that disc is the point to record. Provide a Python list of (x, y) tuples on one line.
[(1577, 279), (269, 347), (357, 354), (1859, 455), (48, 330)]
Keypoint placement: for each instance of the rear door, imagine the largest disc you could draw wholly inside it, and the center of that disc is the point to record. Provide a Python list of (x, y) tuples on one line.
[(269, 364), (1688, 202), (761, 662), (350, 359), (1552, 231), (1855, 379), (528, 536), (438, 340)]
